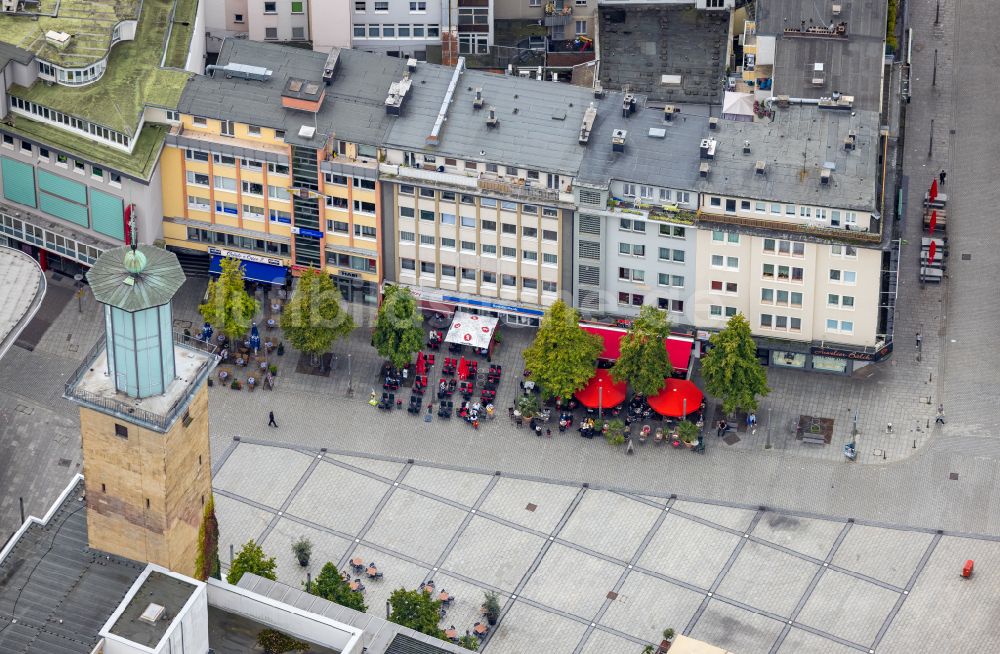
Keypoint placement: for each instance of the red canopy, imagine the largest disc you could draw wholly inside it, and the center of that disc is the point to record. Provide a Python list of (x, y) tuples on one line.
[(670, 400), (602, 392), (679, 349)]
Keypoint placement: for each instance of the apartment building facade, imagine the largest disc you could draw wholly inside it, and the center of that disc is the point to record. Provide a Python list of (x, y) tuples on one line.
[(76, 176), (286, 21), (284, 172)]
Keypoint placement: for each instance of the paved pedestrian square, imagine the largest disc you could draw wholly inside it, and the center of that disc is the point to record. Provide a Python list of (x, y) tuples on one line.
[(743, 578)]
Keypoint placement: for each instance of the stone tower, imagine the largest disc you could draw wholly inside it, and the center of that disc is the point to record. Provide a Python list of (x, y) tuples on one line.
[(143, 415)]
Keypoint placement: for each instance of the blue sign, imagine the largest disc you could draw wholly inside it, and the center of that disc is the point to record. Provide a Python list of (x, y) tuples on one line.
[(492, 305), (302, 231)]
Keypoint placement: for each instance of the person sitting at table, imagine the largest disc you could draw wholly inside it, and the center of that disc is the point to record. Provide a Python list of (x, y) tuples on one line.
[(250, 382), (224, 354)]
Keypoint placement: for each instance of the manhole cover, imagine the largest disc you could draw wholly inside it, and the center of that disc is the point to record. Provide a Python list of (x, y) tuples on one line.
[(531, 507), (612, 595), (65, 462), (953, 476), (966, 256), (731, 439)]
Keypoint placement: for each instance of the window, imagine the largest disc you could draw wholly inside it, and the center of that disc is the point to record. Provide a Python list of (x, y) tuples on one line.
[(730, 288), (277, 216), (845, 251), (508, 228), (715, 310), (79, 167), (468, 246), (581, 28), (224, 159), (340, 180), (237, 18), (277, 169), (270, 7), (406, 212), (427, 215), (468, 221), (253, 188), (488, 203), (532, 174), (631, 274), (469, 274), (489, 278), (253, 130), (629, 225), (198, 203), (26, 147), (508, 280), (359, 31), (549, 287), (427, 193), (549, 235), (407, 264), (418, 31), (199, 121), (467, 199), (364, 207), (529, 255), (96, 172), (404, 237), (672, 231), (744, 205), (447, 243), (418, 7), (488, 250), (768, 272), (403, 31), (796, 300), (789, 209), (43, 153), (447, 271), (367, 184), (766, 320), (121, 431), (405, 189), (337, 226), (821, 214), (251, 164), (359, 6), (226, 208), (448, 219), (767, 295), (840, 301), (805, 212), (508, 253), (277, 192), (715, 202), (200, 179), (426, 268), (549, 259), (843, 276), (364, 231), (270, 33), (529, 284), (489, 225), (529, 232), (839, 326), (195, 155), (297, 7)]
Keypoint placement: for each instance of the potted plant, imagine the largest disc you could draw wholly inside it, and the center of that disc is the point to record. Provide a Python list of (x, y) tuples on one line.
[(491, 605), (668, 635), (648, 649), (236, 385), (274, 369), (614, 431), (528, 406), (302, 548), (688, 432)]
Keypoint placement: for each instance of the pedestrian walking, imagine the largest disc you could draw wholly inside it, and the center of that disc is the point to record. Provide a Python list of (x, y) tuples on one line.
[(939, 420), (941, 176), (920, 340), (270, 419)]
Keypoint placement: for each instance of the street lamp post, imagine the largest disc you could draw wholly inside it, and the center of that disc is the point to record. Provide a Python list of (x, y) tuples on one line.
[(350, 377), (600, 399)]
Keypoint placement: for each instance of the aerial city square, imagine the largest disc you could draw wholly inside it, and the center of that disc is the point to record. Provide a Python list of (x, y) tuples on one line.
[(509, 326)]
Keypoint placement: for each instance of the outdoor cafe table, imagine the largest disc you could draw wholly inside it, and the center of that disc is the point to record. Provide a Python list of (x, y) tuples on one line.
[(372, 571), (480, 628), (357, 562), (451, 634), (443, 596)]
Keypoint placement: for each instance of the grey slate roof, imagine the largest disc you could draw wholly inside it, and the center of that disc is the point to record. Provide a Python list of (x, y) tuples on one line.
[(153, 287), (795, 147), (539, 120), (353, 109), (10, 52), (50, 576), (853, 66), (380, 634)]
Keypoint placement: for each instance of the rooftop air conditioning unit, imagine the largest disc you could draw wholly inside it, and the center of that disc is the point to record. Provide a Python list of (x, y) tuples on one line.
[(746, 147), (707, 148), (713, 123), (669, 111), (824, 177), (491, 117), (703, 170), (760, 167), (618, 140), (477, 102)]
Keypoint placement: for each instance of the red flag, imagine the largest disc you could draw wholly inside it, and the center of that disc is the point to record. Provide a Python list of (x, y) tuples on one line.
[(933, 194), (931, 252), (933, 221)]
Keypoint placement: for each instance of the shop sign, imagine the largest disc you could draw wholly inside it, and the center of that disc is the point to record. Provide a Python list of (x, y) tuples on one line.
[(233, 254), (352, 275), (311, 233), (436, 296), (836, 353)]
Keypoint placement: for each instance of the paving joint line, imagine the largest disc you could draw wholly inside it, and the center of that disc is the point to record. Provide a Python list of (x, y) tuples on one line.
[(909, 586), (217, 465), (288, 500), (373, 517), (469, 515)]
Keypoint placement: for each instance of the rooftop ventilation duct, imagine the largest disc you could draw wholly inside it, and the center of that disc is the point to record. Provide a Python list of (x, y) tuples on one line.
[(760, 168), (588, 123), (477, 102), (713, 123), (242, 71), (491, 117), (703, 170), (707, 148), (330, 66), (746, 147), (435, 136), (618, 140)]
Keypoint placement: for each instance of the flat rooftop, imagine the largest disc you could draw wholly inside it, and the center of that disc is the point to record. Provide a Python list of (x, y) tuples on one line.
[(229, 633), (795, 146), (852, 65), (22, 287), (601, 570), (133, 78), (354, 104), (59, 591), (169, 593), (640, 42), (92, 386)]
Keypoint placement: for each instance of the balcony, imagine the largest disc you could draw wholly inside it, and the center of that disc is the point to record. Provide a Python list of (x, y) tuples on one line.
[(512, 187)]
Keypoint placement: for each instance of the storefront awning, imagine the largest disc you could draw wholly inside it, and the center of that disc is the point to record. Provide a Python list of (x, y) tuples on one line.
[(472, 330), (253, 271), (678, 348)]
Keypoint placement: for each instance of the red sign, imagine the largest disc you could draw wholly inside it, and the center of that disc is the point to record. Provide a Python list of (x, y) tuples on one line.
[(129, 211)]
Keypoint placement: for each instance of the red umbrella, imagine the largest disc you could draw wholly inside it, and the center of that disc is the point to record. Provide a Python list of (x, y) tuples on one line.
[(676, 397), (933, 221), (463, 368), (931, 252), (601, 392), (420, 364), (933, 193)]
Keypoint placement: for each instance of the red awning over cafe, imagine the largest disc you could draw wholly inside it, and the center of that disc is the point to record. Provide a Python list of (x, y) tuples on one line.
[(602, 392), (678, 348)]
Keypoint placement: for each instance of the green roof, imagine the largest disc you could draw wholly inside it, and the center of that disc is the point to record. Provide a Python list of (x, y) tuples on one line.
[(89, 23), (139, 164), (133, 77)]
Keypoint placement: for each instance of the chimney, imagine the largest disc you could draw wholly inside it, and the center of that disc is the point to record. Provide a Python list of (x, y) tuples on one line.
[(491, 117), (669, 111), (746, 147), (477, 102), (713, 123), (703, 170), (618, 140), (760, 167), (707, 148), (824, 177), (851, 141), (411, 65)]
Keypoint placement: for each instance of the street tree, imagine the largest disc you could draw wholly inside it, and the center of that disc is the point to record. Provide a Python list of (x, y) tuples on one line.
[(229, 307), (251, 559), (563, 356), (314, 319), (643, 361), (331, 586), (417, 610), (398, 332), (731, 370)]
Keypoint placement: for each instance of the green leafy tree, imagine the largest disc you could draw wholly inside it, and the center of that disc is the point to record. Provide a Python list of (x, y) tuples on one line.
[(207, 564), (251, 559), (229, 307), (563, 356), (417, 610), (273, 641), (731, 370), (398, 331), (644, 362), (331, 586), (469, 641), (313, 319)]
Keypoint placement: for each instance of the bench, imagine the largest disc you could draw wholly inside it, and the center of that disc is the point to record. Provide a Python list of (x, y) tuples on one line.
[(816, 439)]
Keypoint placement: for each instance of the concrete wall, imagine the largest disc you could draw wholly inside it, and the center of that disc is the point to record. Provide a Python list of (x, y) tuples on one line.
[(196, 55), (330, 23), (283, 20), (284, 617), (397, 14), (145, 493)]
